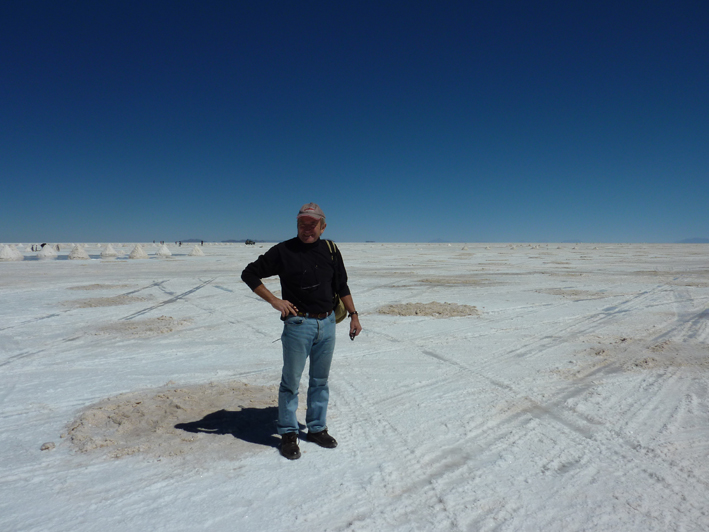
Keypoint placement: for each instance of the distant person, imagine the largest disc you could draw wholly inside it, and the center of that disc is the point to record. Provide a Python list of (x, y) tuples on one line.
[(309, 278)]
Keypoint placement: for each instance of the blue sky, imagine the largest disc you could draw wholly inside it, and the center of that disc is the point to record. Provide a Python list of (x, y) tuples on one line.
[(406, 121)]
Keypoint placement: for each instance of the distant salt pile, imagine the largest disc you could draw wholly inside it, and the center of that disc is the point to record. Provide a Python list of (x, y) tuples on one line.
[(109, 252), (196, 252), (433, 309), (138, 253), (47, 252), (163, 252), (78, 253), (10, 253)]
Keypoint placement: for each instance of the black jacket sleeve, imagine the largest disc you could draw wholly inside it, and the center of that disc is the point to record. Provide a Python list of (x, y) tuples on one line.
[(342, 288), (266, 265)]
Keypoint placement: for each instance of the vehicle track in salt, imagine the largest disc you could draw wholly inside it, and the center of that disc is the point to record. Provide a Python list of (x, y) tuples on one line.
[(371, 431), (48, 346), (453, 463), (691, 320), (594, 372), (173, 299), (580, 428), (32, 321), (232, 320), (35, 320), (587, 324)]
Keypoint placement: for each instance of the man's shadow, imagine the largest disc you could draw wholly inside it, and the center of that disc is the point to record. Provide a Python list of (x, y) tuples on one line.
[(254, 425)]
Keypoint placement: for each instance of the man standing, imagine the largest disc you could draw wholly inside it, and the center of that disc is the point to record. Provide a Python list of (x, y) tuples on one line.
[(310, 276)]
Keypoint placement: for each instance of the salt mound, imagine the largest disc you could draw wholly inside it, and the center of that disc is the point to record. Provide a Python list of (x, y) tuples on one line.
[(10, 253), (109, 252), (78, 253), (232, 417), (435, 309), (196, 252), (138, 253), (47, 252), (144, 328), (105, 301), (163, 251)]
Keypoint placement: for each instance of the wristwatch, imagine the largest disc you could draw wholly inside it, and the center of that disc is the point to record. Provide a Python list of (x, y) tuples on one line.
[(355, 313)]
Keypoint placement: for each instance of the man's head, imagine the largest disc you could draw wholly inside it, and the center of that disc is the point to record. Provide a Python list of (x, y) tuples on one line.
[(311, 223)]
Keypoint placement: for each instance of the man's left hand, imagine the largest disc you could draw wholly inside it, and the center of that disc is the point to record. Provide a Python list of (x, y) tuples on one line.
[(355, 327)]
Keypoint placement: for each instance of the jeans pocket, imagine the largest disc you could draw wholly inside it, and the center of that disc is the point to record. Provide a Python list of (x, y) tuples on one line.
[(294, 320)]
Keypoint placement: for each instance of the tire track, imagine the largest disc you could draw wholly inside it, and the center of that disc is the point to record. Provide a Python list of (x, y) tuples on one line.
[(178, 297), (385, 436), (556, 412), (588, 324), (154, 284), (57, 314), (25, 354), (690, 323), (34, 320), (608, 446)]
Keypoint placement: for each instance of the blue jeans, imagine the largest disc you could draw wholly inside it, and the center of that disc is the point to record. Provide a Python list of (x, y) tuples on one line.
[(303, 338)]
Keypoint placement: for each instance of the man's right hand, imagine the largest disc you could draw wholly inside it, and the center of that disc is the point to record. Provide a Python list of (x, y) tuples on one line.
[(281, 305), (284, 307)]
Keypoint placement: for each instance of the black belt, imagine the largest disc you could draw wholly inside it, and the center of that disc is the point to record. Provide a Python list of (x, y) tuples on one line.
[(320, 316)]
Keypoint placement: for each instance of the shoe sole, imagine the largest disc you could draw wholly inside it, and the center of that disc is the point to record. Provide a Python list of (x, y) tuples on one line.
[(295, 457), (322, 444)]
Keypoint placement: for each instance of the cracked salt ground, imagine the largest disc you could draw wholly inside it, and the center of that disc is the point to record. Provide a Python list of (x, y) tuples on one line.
[(575, 397)]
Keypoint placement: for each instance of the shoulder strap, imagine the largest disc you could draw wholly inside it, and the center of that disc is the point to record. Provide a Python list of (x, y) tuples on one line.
[(332, 247)]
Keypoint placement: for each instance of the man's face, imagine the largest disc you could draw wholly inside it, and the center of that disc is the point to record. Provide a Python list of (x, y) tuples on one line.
[(309, 230)]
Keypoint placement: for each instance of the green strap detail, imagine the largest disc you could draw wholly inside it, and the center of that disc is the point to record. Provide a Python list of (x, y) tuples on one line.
[(332, 247)]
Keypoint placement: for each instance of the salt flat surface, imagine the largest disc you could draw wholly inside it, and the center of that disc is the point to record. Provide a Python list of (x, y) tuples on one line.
[(572, 395)]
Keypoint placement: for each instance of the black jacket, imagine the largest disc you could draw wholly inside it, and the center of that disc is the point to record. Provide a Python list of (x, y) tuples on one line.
[(306, 272)]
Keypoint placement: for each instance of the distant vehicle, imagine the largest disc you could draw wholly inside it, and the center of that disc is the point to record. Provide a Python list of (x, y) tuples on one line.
[(250, 243)]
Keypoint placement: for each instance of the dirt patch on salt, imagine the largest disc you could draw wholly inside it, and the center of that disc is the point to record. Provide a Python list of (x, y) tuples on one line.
[(668, 354), (457, 280), (576, 295), (105, 301), (434, 309), (633, 355), (175, 421), (99, 286), (144, 328)]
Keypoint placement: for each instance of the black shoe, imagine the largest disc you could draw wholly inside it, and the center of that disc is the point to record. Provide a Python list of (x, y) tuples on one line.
[(323, 439), (289, 446)]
